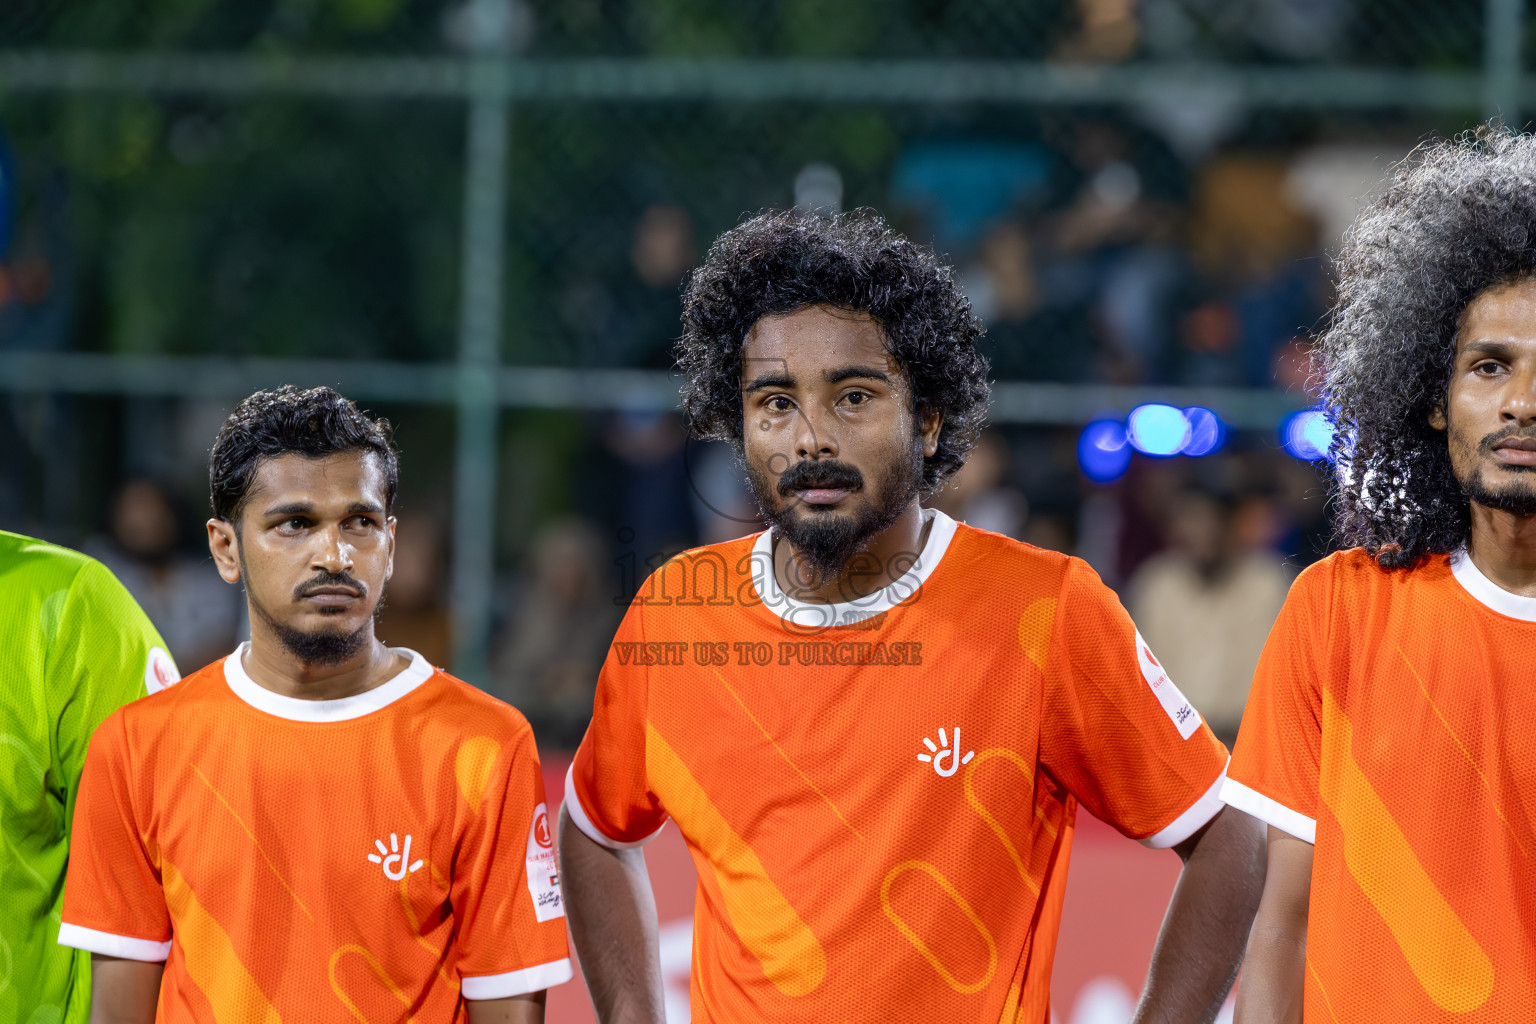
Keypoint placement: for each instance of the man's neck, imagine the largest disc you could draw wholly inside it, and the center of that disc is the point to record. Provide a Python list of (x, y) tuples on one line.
[(883, 561), (1503, 547), (273, 667)]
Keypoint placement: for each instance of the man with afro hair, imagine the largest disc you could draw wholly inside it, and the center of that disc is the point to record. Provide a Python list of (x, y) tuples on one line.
[(873, 725), (1387, 738)]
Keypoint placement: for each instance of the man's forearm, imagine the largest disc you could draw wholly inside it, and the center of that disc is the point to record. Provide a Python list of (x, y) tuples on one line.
[(612, 914), (1200, 946)]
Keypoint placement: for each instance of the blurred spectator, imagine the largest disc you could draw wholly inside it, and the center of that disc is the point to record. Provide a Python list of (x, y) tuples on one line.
[(722, 502), (979, 495), (1109, 32), (415, 613), (1049, 530), (1114, 253), (563, 618), (958, 189), (663, 249), (637, 486), (1260, 288), (200, 616), (1206, 604)]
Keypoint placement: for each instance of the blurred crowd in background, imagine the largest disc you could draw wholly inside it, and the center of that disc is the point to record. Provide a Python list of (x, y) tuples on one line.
[(1174, 239)]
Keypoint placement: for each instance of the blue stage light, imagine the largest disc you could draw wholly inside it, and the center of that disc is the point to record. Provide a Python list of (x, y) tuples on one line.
[(1307, 434), (1102, 452), (1157, 429), (1206, 432)]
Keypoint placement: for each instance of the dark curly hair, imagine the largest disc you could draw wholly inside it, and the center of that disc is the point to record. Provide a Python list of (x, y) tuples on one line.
[(1457, 218), (313, 422), (781, 261)]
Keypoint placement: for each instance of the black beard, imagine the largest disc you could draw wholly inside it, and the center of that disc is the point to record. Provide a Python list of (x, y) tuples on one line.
[(323, 648), (824, 541), (1519, 501), (1514, 499)]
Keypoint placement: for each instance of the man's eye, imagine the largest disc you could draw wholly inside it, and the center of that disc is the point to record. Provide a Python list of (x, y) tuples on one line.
[(857, 398), (295, 523), (778, 403)]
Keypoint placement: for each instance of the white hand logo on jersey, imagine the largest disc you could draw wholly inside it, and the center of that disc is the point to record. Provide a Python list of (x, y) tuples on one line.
[(398, 857), (936, 755)]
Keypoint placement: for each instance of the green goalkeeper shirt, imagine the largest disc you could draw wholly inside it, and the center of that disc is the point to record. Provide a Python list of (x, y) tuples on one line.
[(74, 646)]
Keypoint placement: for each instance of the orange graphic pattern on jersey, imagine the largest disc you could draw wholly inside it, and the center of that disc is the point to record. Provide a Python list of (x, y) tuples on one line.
[(244, 838), (1395, 710), (841, 877)]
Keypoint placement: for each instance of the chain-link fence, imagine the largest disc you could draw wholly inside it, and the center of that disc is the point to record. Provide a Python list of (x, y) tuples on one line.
[(476, 219)]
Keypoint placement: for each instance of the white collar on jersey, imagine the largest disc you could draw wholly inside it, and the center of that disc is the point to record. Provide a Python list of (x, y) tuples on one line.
[(1488, 592), (822, 616), (339, 710)]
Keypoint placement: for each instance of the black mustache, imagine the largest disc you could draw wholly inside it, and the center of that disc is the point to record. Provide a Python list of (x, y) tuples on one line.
[(805, 475), (1498, 437), (329, 579)]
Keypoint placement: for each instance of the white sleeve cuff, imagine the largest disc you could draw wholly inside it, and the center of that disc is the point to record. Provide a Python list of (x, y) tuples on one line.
[(1193, 818), (108, 944), (591, 831), (1271, 812), (518, 983)]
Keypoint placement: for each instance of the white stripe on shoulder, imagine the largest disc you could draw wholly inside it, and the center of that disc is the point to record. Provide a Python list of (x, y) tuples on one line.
[(1193, 818), (588, 827), (1269, 811), (107, 944), (518, 983)]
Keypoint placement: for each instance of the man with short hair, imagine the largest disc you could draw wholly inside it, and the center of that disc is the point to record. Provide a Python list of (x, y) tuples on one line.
[(317, 827), (1387, 739), (873, 725), (76, 647)]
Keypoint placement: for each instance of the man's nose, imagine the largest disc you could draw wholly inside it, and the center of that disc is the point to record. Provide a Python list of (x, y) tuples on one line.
[(815, 438), (334, 555), (1519, 405)]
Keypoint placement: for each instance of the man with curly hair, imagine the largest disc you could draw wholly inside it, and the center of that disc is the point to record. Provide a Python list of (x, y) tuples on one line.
[(873, 725), (1387, 738)]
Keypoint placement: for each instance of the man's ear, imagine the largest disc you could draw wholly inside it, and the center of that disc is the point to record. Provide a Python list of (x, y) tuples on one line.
[(224, 546), (929, 423), (1437, 420), (389, 562)]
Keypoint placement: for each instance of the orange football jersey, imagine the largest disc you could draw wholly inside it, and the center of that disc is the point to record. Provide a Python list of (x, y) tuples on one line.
[(879, 796), (1390, 724), (378, 857)]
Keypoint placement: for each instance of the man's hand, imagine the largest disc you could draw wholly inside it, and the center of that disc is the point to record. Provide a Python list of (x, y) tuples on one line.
[(1200, 945), (527, 1009), (612, 915), (1271, 992), (124, 991)]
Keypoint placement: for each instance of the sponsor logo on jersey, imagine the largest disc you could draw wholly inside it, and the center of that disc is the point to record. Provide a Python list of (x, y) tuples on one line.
[(937, 752), (543, 875), (400, 859), (159, 670), (1183, 714)]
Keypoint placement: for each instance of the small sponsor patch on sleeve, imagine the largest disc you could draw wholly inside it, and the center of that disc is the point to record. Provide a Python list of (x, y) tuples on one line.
[(1185, 718), (543, 871), (159, 670)]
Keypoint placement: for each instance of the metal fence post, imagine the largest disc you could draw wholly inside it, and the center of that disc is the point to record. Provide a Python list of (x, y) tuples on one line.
[(1503, 23), (480, 319)]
